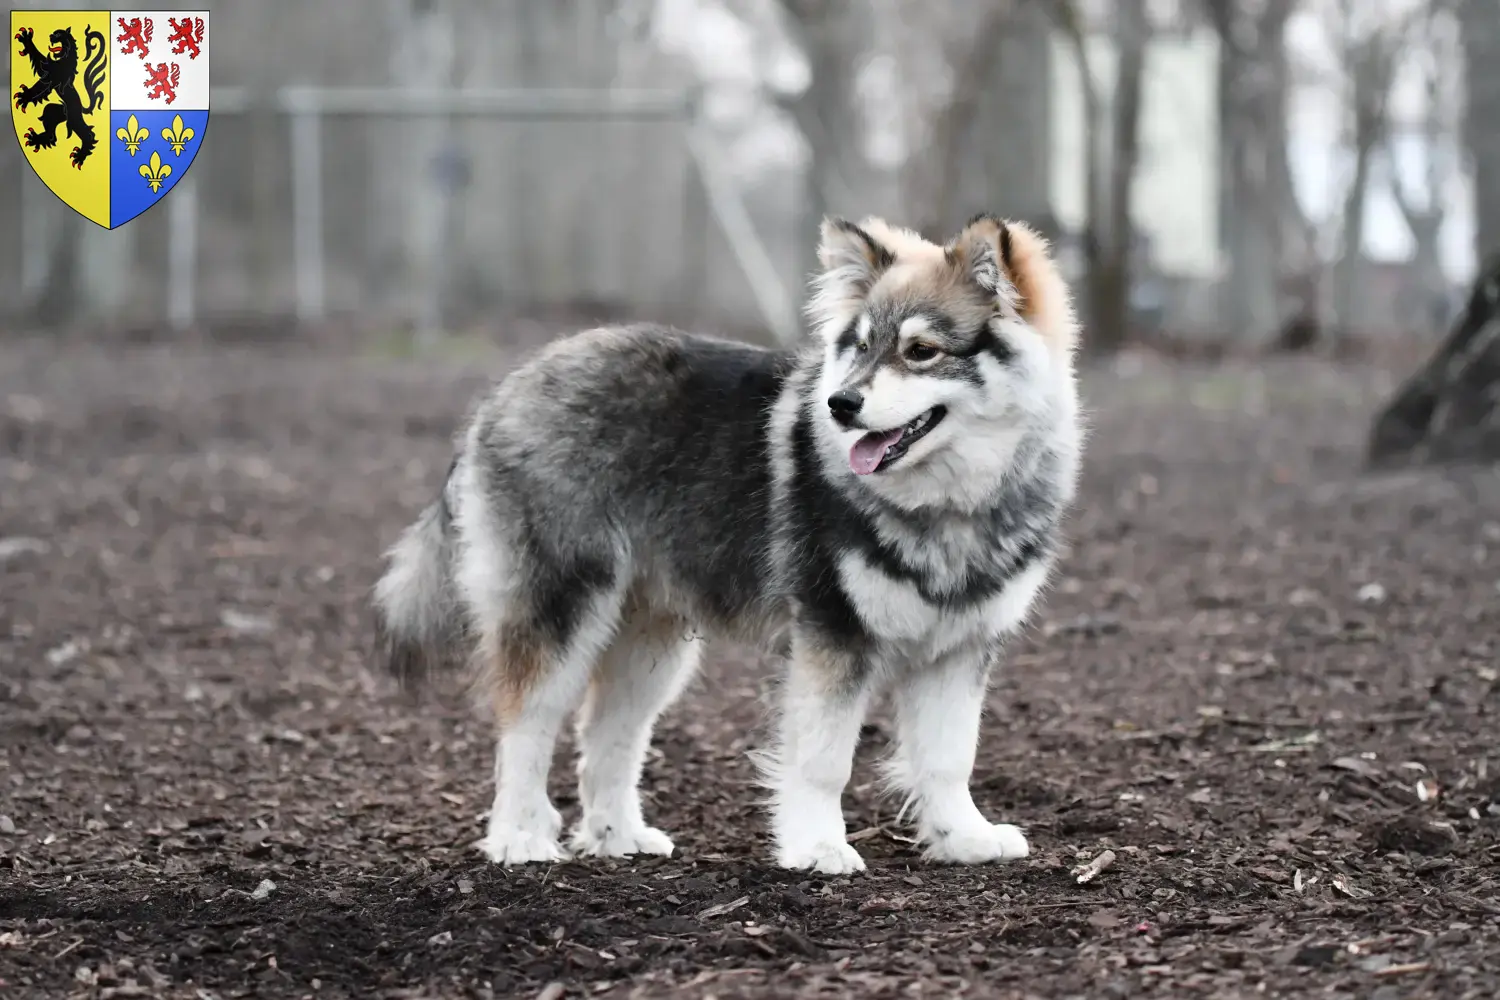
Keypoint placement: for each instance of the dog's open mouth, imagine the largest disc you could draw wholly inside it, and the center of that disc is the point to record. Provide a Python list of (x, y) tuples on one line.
[(881, 449)]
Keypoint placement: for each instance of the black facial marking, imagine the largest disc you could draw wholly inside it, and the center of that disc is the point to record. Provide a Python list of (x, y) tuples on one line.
[(937, 322), (985, 342), (848, 337)]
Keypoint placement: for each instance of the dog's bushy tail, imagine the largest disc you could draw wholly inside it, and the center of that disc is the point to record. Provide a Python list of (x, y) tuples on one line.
[(414, 599)]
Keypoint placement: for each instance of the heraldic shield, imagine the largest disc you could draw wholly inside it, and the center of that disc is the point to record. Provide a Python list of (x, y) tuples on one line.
[(110, 106)]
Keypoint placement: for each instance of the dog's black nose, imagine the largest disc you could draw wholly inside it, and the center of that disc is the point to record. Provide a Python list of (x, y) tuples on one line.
[(844, 404)]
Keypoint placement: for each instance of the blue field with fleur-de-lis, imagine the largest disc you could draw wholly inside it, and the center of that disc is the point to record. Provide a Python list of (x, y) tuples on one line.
[(152, 152)]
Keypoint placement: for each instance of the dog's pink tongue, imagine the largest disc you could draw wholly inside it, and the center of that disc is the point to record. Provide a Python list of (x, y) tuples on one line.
[(870, 449)]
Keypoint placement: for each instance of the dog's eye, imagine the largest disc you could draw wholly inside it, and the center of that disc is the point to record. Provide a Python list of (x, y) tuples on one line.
[(921, 352), (862, 346)]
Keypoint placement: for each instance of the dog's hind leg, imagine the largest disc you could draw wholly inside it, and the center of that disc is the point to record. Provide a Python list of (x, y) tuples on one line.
[(534, 681), (542, 625), (651, 660)]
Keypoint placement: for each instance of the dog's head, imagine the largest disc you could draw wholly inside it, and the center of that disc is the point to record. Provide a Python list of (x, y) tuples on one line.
[(939, 360)]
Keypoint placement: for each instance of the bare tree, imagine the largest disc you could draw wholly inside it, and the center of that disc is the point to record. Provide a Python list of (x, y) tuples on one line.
[(1113, 149), (1265, 230), (930, 175), (1480, 21), (833, 36), (1369, 58), (1426, 213), (1370, 48)]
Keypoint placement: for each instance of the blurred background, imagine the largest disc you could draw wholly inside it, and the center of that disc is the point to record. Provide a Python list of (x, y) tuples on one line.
[(1219, 173)]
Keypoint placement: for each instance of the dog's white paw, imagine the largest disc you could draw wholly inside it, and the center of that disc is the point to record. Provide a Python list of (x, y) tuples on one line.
[(978, 844), (514, 846), (611, 842), (830, 857)]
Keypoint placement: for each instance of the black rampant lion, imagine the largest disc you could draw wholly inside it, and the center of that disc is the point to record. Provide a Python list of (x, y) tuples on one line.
[(57, 75)]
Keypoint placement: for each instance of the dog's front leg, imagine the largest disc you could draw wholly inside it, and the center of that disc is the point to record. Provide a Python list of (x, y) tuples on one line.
[(823, 706), (938, 708)]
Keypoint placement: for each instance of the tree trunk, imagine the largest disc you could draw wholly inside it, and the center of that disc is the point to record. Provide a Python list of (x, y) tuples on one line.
[(933, 173), (267, 145), (1480, 21), (54, 297), (1350, 263), (1095, 196), (1449, 411), (1111, 284), (1256, 195), (1426, 224), (1105, 333)]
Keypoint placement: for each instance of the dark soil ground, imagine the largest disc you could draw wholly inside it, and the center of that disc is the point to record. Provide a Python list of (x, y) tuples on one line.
[(1254, 656)]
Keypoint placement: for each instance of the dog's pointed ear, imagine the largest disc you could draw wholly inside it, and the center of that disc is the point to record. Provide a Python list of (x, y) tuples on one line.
[(982, 251), (852, 261), (851, 258)]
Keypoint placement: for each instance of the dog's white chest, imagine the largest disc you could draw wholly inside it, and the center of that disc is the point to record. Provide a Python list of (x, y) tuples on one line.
[(894, 610)]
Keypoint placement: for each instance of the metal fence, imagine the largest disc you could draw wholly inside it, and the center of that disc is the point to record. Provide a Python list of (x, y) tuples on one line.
[(308, 109)]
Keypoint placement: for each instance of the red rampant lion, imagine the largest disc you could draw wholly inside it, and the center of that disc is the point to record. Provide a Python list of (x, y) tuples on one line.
[(163, 80), (187, 35), (135, 36)]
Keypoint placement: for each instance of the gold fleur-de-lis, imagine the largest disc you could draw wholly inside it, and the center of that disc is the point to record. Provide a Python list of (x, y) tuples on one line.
[(177, 135), (132, 135), (156, 171)]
